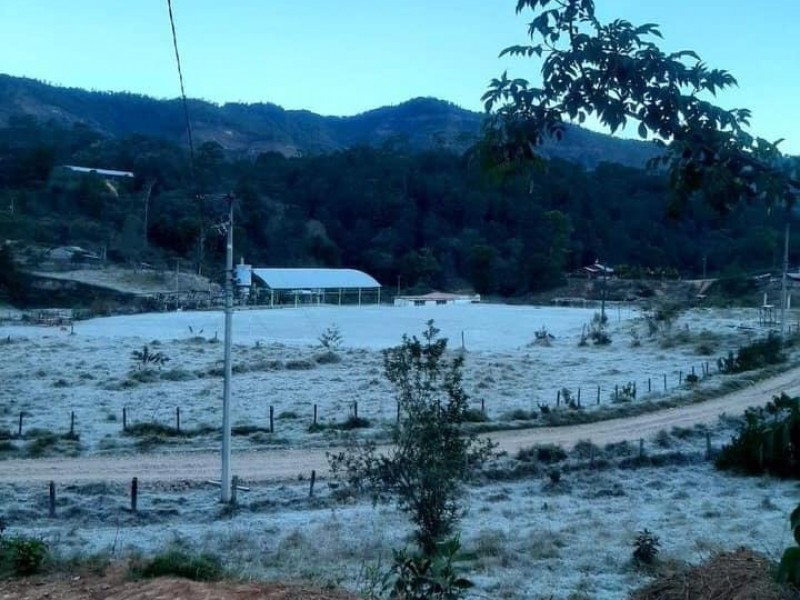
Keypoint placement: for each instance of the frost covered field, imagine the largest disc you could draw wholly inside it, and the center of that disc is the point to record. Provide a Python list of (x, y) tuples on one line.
[(525, 535), (279, 362)]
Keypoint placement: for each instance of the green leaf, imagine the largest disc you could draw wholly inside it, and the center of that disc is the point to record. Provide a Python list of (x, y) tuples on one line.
[(789, 568)]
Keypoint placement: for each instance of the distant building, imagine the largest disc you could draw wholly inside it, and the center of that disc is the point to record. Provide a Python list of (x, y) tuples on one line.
[(100, 172), (72, 254), (437, 299), (597, 270)]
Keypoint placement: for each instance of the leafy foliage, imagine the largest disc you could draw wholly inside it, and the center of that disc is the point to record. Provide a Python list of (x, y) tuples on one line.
[(429, 577), (145, 358), (331, 339), (756, 355), (431, 454), (617, 73), (646, 547), (768, 440), (789, 568), (180, 563), (20, 555)]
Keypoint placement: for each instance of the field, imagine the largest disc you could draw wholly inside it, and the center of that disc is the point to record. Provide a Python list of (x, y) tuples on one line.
[(525, 535)]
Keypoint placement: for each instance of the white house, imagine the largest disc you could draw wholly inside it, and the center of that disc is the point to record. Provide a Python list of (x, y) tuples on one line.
[(437, 299)]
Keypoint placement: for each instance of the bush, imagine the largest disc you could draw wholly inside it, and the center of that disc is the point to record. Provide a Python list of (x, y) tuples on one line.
[(646, 547), (178, 563), (768, 441), (20, 556), (757, 355), (429, 576)]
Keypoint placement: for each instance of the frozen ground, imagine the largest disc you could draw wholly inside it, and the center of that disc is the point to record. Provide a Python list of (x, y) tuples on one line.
[(278, 362), (525, 537)]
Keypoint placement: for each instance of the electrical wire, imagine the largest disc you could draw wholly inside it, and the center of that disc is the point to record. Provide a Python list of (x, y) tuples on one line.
[(180, 78)]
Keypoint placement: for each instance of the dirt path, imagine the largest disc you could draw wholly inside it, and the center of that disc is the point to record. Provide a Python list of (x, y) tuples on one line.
[(290, 464)]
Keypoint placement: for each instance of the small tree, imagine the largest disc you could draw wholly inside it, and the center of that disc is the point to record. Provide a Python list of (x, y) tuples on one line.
[(431, 455), (145, 358)]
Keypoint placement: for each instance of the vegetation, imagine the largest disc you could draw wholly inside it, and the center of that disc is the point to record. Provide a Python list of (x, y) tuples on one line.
[(431, 454), (646, 547), (756, 355), (768, 441), (20, 555), (180, 563)]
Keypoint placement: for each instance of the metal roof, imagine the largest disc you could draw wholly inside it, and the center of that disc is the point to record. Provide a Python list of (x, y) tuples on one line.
[(106, 172), (315, 279)]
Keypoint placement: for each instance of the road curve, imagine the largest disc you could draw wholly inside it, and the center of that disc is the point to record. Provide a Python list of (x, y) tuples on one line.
[(288, 464)]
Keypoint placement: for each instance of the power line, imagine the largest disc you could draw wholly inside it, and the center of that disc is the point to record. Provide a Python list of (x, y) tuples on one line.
[(183, 91)]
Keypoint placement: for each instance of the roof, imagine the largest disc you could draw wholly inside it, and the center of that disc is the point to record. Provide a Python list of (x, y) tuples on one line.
[(105, 172), (437, 296), (315, 279)]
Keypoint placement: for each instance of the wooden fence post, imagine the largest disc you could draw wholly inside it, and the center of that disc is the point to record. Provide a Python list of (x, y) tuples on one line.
[(398, 412), (483, 406), (271, 419), (72, 424), (641, 448), (178, 419), (52, 509), (708, 445), (134, 494), (124, 418), (579, 397), (19, 429), (558, 398), (313, 481), (649, 385), (680, 377), (315, 414), (598, 395), (665, 382), (355, 409), (234, 489)]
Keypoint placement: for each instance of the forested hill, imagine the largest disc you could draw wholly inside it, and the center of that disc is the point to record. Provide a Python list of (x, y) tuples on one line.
[(419, 124)]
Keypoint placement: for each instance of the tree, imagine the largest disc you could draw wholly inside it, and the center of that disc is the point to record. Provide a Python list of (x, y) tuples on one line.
[(616, 73), (431, 454)]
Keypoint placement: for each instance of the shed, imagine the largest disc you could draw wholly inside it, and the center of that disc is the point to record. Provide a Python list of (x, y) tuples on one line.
[(306, 286), (437, 299)]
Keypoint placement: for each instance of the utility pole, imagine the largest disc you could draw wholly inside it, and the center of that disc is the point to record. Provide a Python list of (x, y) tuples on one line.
[(225, 481), (148, 190), (784, 291)]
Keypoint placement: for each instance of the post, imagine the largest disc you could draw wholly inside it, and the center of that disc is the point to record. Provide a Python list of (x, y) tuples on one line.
[(665, 382), (616, 393), (680, 377), (463, 347), (313, 481), (649, 385), (19, 429), (178, 419), (52, 510), (124, 418), (315, 414), (225, 481), (641, 448), (483, 406), (708, 445), (271, 419), (72, 424), (598, 395), (234, 488), (134, 493), (558, 398), (579, 397), (355, 408), (398, 412), (783, 275)]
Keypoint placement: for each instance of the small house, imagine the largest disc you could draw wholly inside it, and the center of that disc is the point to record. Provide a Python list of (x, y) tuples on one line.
[(437, 299)]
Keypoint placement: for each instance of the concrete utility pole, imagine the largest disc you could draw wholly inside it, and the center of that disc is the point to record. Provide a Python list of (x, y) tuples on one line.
[(225, 482), (148, 190)]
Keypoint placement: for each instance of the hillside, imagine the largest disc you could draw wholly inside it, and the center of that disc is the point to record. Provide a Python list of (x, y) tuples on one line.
[(418, 124)]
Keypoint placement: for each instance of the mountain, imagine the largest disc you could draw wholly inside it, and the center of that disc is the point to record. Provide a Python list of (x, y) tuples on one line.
[(421, 123)]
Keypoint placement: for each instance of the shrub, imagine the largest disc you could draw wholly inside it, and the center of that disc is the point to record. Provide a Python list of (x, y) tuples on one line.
[(543, 453), (756, 355), (429, 576), (178, 563), (431, 456), (331, 339), (789, 568), (768, 440), (144, 358), (20, 556), (646, 547)]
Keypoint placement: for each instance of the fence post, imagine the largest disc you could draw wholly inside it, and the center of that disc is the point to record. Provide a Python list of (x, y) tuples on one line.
[(680, 377), (463, 346), (234, 489), (598, 395), (313, 481), (355, 408), (178, 419), (616, 393), (124, 418), (649, 385), (315, 414), (52, 509), (398, 412), (641, 448), (558, 398), (19, 429), (579, 397), (271, 419), (708, 445), (483, 406), (665, 382), (134, 493), (72, 424)]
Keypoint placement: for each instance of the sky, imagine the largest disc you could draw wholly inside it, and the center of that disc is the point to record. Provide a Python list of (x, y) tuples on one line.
[(345, 57)]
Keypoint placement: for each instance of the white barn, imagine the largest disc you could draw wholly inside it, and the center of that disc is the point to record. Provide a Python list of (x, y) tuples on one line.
[(437, 299), (281, 287)]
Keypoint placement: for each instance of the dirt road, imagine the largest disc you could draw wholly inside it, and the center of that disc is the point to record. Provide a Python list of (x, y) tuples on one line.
[(290, 464)]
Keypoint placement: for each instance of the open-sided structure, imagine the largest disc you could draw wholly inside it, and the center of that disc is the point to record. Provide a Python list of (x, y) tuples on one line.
[(281, 287)]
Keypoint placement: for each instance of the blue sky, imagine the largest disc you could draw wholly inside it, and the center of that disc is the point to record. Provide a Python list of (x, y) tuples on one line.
[(341, 58)]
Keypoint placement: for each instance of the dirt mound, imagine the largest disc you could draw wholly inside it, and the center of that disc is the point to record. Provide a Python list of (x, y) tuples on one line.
[(114, 586), (739, 575)]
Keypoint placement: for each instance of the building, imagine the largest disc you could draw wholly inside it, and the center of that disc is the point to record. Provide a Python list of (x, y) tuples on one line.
[(437, 299), (597, 270), (293, 287), (100, 172)]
